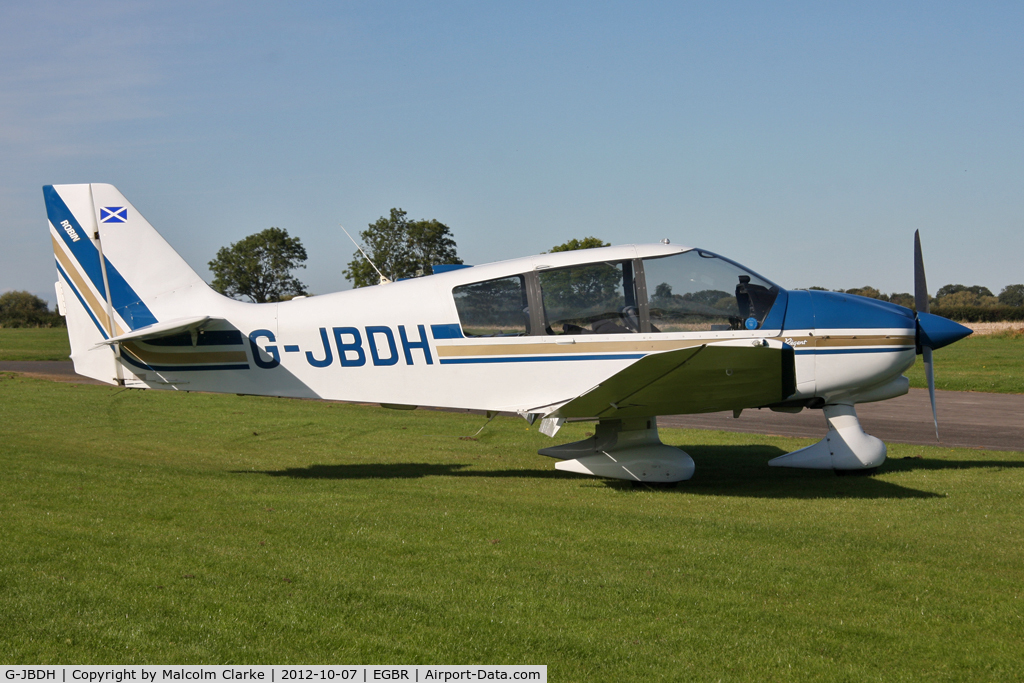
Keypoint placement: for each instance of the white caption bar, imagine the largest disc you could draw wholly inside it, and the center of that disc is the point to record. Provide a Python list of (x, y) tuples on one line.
[(271, 674)]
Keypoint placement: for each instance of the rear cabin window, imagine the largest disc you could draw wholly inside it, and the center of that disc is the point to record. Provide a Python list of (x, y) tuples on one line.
[(495, 308), (698, 291), (597, 298)]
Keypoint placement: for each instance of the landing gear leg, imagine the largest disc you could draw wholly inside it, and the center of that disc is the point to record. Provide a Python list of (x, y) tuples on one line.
[(845, 446)]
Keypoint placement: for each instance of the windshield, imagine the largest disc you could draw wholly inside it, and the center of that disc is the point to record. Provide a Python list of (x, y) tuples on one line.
[(701, 291)]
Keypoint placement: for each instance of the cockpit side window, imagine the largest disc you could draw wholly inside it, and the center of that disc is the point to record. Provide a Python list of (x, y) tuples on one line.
[(699, 291), (597, 298), (495, 308)]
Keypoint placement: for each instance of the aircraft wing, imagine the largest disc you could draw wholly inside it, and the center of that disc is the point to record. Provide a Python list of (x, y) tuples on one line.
[(727, 375), (163, 329)]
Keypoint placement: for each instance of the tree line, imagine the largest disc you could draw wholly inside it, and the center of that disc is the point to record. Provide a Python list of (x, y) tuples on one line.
[(948, 296), (23, 309), (974, 303)]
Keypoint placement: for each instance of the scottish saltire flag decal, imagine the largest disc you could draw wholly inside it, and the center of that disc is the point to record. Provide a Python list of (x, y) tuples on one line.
[(114, 214)]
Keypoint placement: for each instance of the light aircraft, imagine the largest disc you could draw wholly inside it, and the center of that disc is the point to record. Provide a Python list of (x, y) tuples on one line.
[(619, 335)]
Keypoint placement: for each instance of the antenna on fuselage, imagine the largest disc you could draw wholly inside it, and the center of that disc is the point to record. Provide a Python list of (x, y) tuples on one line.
[(383, 280)]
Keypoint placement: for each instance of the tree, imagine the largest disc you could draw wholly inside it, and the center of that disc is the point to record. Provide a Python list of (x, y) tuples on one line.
[(711, 297), (1012, 295), (431, 244), (977, 290), (259, 267), (905, 299), (581, 286), (575, 244), (960, 298), (959, 295), (663, 291), (869, 292), (21, 309), (401, 249)]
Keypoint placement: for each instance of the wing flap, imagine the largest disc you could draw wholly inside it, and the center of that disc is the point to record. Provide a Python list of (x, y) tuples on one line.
[(716, 376)]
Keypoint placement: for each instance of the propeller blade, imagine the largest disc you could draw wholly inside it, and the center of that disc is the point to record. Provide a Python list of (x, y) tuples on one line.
[(929, 373), (942, 331), (920, 286)]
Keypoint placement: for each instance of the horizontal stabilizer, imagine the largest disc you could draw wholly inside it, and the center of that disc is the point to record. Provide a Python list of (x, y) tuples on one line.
[(163, 329), (745, 373)]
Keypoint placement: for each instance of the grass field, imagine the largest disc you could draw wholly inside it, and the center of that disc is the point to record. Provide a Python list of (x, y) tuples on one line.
[(992, 363), (29, 343), (158, 527)]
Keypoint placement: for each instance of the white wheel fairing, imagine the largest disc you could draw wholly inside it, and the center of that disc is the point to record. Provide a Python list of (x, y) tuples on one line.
[(845, 446)]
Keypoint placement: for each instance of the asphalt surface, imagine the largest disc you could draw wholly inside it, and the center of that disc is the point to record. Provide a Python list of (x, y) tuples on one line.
[(59, 370), (967, 419)]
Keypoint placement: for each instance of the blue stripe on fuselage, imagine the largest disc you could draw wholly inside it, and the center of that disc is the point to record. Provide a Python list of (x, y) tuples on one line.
[(448, 331)]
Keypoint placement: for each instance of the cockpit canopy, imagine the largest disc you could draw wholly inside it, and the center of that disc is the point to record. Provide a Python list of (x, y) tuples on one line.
[(693, 291)]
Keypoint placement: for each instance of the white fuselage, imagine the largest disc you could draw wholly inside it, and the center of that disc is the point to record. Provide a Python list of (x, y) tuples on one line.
[(401, 355)]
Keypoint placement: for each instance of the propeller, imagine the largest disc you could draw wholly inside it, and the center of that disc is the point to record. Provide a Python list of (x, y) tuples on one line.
[(921, 304), (933, 331)]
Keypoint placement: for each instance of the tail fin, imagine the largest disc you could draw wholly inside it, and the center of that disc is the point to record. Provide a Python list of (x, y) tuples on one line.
[(115, 273)]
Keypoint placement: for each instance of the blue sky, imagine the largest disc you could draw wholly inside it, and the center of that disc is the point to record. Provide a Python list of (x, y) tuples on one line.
[(805, 140)]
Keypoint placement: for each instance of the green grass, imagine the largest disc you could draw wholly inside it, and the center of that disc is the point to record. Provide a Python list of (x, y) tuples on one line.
[(159, 527), (28, 343), (992, 363)]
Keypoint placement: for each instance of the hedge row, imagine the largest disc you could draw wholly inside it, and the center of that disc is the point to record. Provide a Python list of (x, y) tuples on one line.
[(50, 321), (981, 314)]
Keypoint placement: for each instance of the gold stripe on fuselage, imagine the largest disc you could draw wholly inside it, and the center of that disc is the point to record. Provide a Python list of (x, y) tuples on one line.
[(833, 340), (654, 345), (545, 348)]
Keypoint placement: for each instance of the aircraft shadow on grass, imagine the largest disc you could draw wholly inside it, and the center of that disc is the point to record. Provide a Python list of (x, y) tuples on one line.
[(909, 464), (405, 470), (721, 470)]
